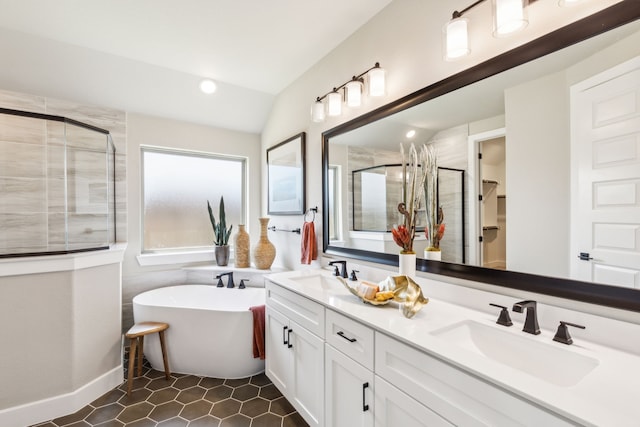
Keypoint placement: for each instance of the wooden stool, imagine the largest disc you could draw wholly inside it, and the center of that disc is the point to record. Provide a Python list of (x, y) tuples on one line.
[(136, 335)]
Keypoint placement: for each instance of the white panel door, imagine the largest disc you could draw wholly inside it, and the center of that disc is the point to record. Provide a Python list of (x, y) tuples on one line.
[(307, 369), (348, 391), (605, 153), (278, 355)]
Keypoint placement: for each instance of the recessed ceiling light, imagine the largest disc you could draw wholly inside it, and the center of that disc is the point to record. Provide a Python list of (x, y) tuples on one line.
[(411, 134), (208, 86)]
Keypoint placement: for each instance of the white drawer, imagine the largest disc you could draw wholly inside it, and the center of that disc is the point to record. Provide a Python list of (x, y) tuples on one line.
[(350, 337), (307, 313), (455, 395)]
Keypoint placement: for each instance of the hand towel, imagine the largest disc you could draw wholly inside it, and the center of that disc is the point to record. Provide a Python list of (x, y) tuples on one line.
[(309, 245), (258, 331)]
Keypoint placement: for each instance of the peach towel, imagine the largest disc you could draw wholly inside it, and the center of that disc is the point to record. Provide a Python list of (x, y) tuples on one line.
[(309, 244), (258, 331)]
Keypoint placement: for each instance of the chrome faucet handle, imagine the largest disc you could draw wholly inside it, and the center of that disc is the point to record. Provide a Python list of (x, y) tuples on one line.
[(562, 334), (504, 318)]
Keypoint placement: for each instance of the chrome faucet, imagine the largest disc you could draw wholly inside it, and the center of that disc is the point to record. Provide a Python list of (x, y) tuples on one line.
[(531, 321), (343, 270), (230, 283)]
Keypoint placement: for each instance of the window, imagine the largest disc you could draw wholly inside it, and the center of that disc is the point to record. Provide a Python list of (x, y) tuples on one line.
[(175, 188)]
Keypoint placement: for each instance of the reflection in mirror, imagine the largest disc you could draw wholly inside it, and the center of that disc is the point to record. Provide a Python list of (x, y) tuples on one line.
[(374, 210), (516, 207)]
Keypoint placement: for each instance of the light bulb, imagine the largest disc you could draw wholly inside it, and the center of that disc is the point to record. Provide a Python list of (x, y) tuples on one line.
[(208, 86)]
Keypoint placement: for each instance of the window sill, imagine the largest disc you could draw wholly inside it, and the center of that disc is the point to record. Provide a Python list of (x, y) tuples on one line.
[(153, 259)]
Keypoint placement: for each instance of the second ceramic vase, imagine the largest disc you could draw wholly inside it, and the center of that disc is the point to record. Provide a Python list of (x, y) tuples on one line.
[(264, 252)]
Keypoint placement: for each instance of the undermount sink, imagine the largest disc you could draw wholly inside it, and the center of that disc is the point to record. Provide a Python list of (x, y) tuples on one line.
[(548, 362), (316, 280)]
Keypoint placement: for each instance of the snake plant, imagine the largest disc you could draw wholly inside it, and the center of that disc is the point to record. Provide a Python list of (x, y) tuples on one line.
[(220, 232)]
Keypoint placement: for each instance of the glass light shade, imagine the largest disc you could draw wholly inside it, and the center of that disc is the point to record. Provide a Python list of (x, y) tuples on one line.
[(456, 39), (354, 93), (508, 16), (317, 111), (208, 86), (376, 82), (334, 104)]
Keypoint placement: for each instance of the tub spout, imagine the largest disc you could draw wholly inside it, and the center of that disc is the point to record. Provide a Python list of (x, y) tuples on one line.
[(230, 283)]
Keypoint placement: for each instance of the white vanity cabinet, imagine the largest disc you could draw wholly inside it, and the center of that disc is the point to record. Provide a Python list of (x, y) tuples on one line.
[(457, 396), (349, 377), (338, 371), (294, 346)]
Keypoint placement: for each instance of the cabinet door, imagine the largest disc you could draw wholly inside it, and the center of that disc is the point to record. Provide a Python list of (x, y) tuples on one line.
[(278, 355), (307, 374), (395, 408), (349, 391)]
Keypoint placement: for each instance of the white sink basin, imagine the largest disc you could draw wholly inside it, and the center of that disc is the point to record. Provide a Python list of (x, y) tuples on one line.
[(549, 362), (317, 281)]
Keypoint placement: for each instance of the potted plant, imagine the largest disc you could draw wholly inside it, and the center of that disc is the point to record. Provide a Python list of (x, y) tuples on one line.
[(221, 234)]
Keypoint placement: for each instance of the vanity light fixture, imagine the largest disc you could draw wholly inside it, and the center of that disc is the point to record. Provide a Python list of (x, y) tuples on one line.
[(208, 86), (330, 104), (508, 16)]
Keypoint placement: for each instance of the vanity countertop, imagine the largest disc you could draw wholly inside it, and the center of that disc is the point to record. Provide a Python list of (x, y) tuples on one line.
[(606, 396)]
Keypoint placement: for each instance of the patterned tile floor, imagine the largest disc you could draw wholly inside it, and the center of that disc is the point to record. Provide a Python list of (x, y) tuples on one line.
[(187, 400)]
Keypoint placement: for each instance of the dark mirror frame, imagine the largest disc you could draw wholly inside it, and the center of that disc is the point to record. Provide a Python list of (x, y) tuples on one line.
[(611, 296)]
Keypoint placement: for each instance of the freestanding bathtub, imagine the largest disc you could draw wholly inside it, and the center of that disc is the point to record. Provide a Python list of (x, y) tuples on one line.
[(210, 329)]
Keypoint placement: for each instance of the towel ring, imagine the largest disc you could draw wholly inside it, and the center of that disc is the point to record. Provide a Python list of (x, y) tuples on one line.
[(313, 212)]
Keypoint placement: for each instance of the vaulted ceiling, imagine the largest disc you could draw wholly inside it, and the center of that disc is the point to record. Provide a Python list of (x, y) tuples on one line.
[(148, 56)]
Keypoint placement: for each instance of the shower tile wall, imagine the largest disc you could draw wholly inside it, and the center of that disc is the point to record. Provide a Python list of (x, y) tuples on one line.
[(26, 144)]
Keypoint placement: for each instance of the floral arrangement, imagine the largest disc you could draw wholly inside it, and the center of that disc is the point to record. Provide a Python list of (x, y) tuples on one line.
[(419, 180), (434, 231), (412, 181)]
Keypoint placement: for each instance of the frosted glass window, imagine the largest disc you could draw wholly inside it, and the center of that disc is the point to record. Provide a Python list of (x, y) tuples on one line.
[(176, 186)]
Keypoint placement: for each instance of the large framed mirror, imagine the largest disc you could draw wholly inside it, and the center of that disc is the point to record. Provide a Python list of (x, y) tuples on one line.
[(516, 111)]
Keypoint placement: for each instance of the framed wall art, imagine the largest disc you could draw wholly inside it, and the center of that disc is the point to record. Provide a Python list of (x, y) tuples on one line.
[(286, 176)]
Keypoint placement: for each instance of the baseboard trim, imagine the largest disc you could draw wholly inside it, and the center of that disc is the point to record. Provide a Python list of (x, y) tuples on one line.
[(63, 404)]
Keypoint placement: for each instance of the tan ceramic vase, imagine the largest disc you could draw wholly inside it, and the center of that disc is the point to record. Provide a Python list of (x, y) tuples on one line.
[(242, 258), (264, 253)]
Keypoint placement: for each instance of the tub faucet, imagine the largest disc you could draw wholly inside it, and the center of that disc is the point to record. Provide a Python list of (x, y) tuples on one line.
[(531, 321), (230, 283)]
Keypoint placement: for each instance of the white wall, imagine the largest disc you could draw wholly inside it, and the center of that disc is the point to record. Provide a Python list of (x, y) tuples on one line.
[(406, 39)]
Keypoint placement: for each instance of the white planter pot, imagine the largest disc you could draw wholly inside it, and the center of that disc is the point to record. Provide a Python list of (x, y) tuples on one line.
[(433, 255), (407, 265)]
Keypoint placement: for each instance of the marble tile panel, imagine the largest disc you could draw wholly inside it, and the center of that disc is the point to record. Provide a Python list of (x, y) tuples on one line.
[(22, 230), (22, 195), (22, 129), (22, 101), (22, 160)]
